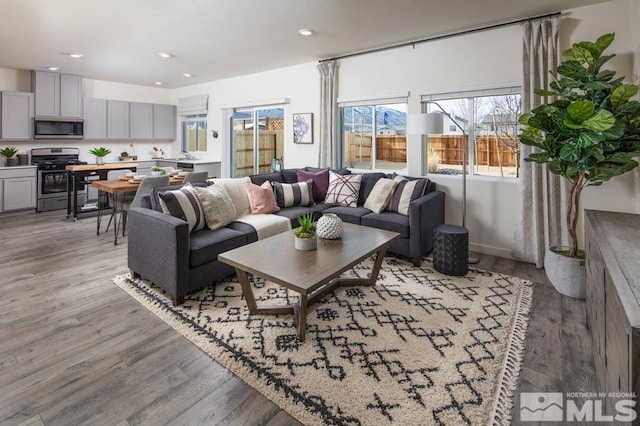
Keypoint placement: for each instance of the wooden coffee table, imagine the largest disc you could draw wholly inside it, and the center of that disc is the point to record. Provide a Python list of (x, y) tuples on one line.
[(311, 274)]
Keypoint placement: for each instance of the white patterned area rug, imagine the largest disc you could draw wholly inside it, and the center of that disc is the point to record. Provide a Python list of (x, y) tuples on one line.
[(419, 347)]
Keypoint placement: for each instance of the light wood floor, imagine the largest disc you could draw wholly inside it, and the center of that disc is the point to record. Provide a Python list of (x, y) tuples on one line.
[(75, 349)]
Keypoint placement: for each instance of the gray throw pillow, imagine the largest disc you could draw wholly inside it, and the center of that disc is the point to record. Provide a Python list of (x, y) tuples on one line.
[(217, 206)]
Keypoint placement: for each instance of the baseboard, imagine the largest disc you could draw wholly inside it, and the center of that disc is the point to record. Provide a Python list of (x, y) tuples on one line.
[(494, 251)]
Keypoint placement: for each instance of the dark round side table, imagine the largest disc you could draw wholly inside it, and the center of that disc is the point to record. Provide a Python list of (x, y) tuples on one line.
[(451, 249)]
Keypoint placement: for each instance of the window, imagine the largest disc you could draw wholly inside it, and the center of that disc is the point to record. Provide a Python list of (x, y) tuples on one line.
[(194, 133), (374, 134), (254, 146), (490, 121)]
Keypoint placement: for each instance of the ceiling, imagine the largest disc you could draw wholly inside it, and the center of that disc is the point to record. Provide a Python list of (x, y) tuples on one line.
[(214, 39)]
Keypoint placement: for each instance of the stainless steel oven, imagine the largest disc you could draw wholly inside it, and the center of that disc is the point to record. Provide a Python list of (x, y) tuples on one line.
[(53, 177)]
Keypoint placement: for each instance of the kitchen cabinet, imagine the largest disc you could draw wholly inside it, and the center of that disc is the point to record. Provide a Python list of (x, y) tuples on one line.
[(17, 188), (612, 249), (95, 118), (164, 122), (57, 95), (141, 120), (117, 120), (16, 112)]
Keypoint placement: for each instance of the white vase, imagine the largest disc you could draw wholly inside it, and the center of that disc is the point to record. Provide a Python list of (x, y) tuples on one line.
[(306, 243), (566, 274), (99, 161), (329, 227)]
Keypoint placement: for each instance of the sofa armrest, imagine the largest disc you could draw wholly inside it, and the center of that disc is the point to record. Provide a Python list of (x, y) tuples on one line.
[(158, 249), (424, 213)]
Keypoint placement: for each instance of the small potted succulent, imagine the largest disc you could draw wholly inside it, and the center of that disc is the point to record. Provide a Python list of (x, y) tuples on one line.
[(9, 153), (306, 234), (100, 153)]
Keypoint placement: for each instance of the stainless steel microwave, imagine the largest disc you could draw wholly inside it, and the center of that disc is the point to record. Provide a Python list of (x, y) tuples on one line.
[(64, 128)]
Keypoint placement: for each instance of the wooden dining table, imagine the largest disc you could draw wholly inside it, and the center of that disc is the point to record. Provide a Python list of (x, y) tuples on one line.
[(115, 190)]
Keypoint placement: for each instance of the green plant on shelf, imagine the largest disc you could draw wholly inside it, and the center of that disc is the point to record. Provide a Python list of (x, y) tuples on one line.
[(8, 152)]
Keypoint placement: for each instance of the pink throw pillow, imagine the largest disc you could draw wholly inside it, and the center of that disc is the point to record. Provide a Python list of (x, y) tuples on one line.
[(261, 198)]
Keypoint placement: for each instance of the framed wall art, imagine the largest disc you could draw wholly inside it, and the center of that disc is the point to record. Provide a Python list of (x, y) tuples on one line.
[(303, 127)]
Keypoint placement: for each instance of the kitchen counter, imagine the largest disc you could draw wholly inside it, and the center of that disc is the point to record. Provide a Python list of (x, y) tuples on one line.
[(17, 167), (95, 167)]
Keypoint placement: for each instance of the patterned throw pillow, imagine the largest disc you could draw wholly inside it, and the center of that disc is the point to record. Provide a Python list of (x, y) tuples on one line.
[(183, 204), (293, 194), (380, 195), (406, 191), (343, 190), (217, 206), (261, 198)]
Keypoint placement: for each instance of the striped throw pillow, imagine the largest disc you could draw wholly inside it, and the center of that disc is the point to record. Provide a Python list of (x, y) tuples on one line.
[(183, 204), (294, 194), (406, 191)]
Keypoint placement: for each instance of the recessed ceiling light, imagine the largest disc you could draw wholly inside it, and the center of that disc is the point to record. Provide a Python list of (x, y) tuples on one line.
[(53, 68), (164, 55), (186, 74), (305, 32), (76, 55), (159, 83)]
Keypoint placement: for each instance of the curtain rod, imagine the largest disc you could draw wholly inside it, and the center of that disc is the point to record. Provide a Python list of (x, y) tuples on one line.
[(441, 37)]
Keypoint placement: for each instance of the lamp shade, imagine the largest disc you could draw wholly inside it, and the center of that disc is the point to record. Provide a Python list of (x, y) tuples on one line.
[(425, 124)]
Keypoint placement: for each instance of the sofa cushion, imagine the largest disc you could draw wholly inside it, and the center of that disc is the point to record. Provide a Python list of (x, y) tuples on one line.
[(343, 190), (217, 206), (294, 194), (248, 230), (271, 177), (183, 203), (261, 198), (237, 190), (388, 221), (289, 175), (344, 171), (205, 246), (380, 195), (349, 214), (292, 213), (368, 182), (320, 182), (155, 193), (405, 193)]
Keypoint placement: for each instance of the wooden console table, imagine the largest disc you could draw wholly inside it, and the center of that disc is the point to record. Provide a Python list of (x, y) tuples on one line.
[(79, 177), (613, 300)]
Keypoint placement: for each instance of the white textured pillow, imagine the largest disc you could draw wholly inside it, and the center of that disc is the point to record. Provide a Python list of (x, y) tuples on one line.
[(380, 195), (237, 190), (217, 206)]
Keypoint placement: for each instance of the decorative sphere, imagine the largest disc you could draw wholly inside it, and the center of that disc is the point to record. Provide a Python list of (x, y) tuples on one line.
[(329, 227)]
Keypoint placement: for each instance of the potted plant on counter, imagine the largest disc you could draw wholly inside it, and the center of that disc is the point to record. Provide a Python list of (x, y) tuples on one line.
[(100, 153), (9, 153), (588, 135), (158, 171), (305, 235)]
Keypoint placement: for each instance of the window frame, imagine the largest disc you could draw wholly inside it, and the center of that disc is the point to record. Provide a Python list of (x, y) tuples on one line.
[(198, 118)]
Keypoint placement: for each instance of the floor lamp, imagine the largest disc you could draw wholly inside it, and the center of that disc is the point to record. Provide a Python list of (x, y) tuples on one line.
[(432, 123)]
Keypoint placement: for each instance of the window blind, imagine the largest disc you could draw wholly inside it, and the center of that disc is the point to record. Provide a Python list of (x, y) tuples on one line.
[(396, 98), (494, 91), (193, 105)]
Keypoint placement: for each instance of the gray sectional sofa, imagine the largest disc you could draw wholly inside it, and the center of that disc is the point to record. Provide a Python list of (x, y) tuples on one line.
[(162, 250)]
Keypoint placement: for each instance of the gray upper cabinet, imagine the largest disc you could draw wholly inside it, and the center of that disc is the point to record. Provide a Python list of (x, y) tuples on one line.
[(95, 118), (141, 120), (16, 113), (117, 120), (57, 95), (70, 96), (164, 122)]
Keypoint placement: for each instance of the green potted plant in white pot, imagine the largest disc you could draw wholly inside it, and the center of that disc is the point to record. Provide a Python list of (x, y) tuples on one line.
[(305, 234), (9, 153), (100, 153), (588, 135)]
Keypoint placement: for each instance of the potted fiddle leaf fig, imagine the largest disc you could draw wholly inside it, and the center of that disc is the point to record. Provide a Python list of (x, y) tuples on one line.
[(9, 153), (588, 134), (100, 153), (305, 234)]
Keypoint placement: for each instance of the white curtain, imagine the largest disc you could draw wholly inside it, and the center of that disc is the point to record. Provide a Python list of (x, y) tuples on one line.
[(329, 149), (542, 201)]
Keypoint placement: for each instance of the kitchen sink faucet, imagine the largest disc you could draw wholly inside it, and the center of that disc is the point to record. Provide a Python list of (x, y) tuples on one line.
[(188, 156)]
